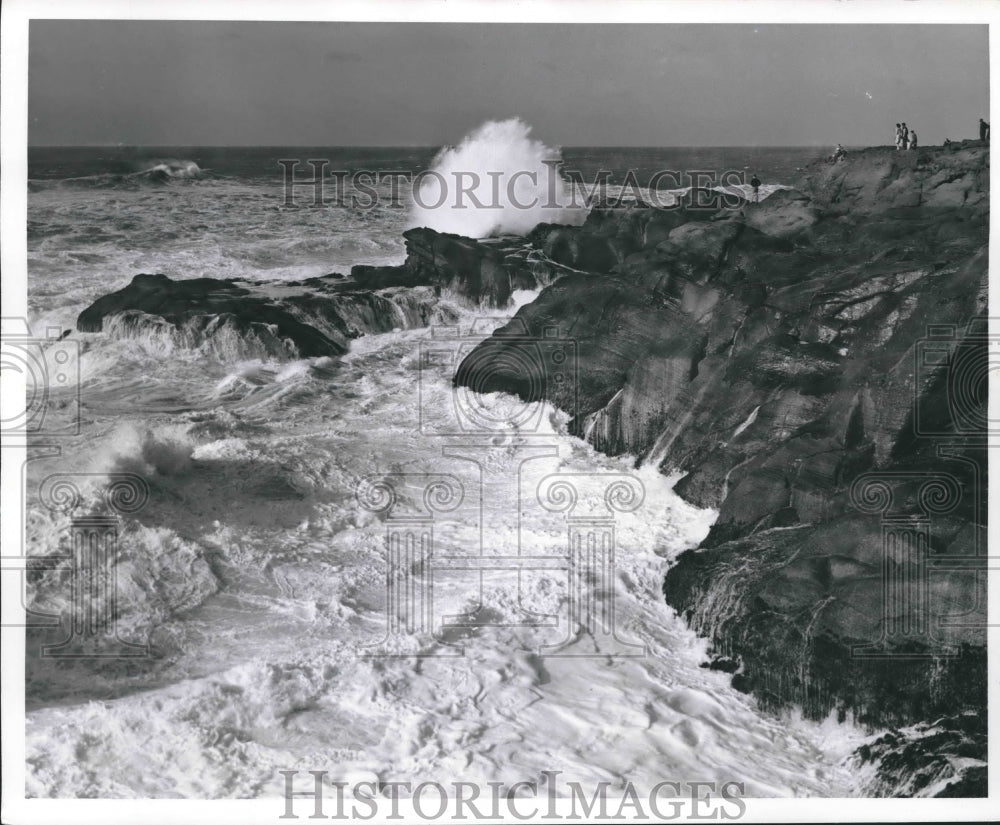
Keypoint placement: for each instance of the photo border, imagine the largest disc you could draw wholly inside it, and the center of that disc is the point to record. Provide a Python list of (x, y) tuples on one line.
[(13, 260)]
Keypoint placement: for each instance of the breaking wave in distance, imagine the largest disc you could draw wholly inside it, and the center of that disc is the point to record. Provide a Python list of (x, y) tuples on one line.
[(167, 170)]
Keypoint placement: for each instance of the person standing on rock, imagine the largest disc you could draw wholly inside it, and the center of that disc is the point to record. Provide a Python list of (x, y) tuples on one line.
[(913, 139), (899, 136), (904, 136), (984, 129), (755, 183)]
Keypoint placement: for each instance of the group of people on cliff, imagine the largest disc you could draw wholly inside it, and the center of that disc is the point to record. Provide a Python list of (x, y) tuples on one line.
[(906, 138)]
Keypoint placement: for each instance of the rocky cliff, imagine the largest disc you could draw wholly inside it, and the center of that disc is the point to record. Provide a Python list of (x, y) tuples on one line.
[(817, 366)]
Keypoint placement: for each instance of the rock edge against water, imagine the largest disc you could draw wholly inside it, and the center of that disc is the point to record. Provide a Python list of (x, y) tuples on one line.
[(817, 366), (237, 318)]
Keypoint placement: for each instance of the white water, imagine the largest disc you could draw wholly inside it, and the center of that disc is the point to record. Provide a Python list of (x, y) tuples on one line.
[(257, 578), (264, 674), (500, 180), (510, 174)]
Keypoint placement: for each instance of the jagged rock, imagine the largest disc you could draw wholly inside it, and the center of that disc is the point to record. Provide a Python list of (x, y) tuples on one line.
[(774, 353), (470, 269), (945, 758), (483, 273), (318, 316), (878, 181), (784, 214), (191, 306)]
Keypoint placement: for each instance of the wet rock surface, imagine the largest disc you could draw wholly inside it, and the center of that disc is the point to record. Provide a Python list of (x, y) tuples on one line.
[(945, 758), (318, 316), (817, 366)]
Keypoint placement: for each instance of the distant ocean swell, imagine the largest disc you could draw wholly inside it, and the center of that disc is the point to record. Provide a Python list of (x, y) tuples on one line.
[(157, 172)]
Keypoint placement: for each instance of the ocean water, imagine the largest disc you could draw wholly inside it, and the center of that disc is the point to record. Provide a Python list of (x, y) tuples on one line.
[(258, 577)]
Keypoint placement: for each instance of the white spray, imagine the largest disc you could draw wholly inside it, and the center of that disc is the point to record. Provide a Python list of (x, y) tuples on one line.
[(497, 180)]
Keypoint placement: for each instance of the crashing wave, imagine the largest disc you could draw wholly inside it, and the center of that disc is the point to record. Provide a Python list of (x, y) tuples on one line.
[(501, 166), (223, 337)]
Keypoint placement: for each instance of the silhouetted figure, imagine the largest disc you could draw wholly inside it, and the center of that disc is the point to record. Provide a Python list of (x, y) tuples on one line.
[(755, 183), (913, 139), (899, 136), (905, 135), (984, 130), (838, 154)]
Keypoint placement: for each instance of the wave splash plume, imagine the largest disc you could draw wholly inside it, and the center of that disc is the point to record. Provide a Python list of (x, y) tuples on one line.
[(512, 175)]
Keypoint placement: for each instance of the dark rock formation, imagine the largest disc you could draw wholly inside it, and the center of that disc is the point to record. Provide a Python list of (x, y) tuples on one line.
[(482, 273), (817, 364), (478, 272), (609, 235), (920, 760), (206, 309), (318, 316)]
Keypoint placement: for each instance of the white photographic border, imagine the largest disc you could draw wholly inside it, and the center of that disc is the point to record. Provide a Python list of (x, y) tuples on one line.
[(14, 45)]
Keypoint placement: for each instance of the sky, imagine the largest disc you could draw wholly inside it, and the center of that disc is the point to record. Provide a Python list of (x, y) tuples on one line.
[(184, 83)]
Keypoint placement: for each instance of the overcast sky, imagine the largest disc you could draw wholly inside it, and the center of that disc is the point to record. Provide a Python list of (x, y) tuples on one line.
[(396, 84)]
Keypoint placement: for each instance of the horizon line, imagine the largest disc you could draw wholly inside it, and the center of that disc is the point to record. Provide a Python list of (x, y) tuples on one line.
[(421, 145)]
